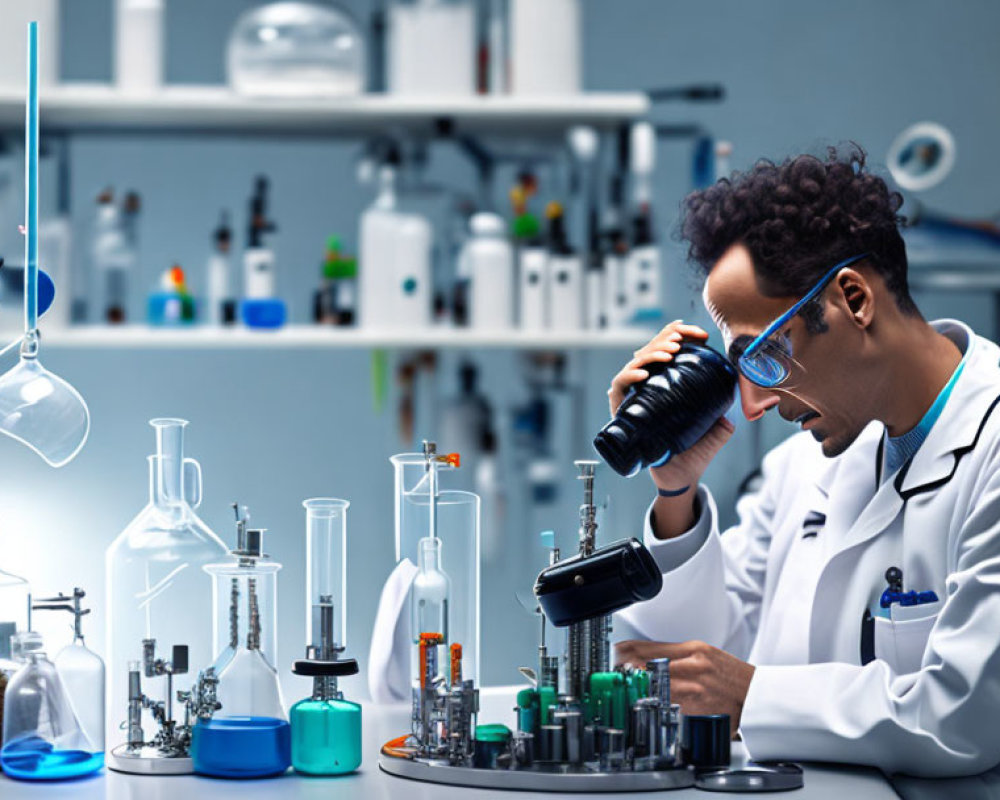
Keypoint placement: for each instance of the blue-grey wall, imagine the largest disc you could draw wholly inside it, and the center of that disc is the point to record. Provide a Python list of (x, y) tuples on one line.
[(273, 427)]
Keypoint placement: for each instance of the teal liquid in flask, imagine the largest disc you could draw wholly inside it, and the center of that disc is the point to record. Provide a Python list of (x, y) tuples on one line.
[(326, 728), (42, 737)]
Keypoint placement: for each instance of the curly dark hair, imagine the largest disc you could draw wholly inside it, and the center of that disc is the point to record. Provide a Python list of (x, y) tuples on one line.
[(800, 218)]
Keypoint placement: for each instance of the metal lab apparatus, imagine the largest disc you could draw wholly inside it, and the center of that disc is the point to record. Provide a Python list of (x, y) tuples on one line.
[(326, 728), (156, 602), (248, 735)]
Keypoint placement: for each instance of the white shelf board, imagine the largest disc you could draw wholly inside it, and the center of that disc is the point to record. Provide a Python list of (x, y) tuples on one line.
[(317, 337), (203, 109)]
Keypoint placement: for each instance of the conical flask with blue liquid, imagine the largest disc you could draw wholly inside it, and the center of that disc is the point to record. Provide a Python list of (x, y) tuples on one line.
[(249, 735)]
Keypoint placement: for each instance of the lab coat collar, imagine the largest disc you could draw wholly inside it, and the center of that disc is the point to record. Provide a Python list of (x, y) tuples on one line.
[(865, 507), (956, 431)]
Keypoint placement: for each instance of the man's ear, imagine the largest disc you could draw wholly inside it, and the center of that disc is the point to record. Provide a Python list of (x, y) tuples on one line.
[(857, 296)]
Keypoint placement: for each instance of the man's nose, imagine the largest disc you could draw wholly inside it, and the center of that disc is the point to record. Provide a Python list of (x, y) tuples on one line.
[(755, 399)]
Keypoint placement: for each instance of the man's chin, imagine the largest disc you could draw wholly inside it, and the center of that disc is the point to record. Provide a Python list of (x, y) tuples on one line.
[(833, 446)]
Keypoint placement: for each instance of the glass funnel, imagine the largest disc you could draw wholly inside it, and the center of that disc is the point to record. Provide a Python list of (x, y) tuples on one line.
[(42, 738), (156, 587), (425, 511), (38, 408), (326, 728)]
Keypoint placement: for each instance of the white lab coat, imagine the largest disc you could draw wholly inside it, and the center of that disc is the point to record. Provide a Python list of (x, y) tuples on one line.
[(786, 589)]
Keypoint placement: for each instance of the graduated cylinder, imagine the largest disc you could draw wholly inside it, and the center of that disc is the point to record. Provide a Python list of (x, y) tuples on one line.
[(326, 728)]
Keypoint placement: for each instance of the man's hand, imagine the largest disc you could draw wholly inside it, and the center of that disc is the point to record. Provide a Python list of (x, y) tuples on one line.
[(703, 679)]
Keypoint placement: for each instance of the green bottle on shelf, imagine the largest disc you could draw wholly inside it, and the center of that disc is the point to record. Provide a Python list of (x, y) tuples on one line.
[(326, 728)]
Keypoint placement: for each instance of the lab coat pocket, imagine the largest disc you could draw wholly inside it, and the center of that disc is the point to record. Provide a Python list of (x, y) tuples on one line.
[(901, 642)]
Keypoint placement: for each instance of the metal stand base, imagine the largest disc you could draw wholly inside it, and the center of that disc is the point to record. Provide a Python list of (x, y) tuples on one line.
[(557, 779), (147, 761)]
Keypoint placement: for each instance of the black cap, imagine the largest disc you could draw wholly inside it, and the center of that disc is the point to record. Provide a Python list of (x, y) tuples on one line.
[(706, 740)]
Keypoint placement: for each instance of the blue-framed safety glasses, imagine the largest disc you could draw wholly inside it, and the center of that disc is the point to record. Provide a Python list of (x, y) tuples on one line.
[(767, 360)]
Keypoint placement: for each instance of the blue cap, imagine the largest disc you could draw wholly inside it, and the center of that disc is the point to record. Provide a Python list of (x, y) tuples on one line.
[(548, 539)]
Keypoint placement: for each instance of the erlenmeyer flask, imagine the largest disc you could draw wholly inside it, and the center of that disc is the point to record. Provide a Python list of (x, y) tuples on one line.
[(42, 738), (249, 736), (38, 408)]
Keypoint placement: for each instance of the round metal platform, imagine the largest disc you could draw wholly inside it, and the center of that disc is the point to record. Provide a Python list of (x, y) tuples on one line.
[(146, 761), (538, 779)]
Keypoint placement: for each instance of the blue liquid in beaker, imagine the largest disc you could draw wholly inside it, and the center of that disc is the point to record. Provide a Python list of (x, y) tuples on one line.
[(241, 747), (35, 759)]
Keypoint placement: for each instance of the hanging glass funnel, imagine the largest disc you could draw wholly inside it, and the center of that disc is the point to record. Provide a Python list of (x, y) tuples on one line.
[(326, 728), (37, 407), (157, 598), (42, 738), (248, 736)]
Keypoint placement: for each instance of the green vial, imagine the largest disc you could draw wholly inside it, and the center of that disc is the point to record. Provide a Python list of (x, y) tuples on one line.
[(326, 736)]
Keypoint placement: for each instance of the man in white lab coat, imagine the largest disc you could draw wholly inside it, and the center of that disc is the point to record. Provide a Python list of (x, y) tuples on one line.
[(853, 614)]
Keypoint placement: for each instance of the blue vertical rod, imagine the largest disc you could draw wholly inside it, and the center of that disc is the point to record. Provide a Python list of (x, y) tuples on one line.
[(31, 186)]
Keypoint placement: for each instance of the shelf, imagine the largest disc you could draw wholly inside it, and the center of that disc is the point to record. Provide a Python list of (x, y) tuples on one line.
[(216, 109), (316, 337)]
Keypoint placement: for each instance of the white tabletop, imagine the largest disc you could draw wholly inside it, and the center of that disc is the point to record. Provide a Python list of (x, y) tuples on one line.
[(381, 723)]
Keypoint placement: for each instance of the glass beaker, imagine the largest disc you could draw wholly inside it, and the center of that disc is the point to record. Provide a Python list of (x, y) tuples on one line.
[(156, 587), (326, 728), (249, 736), (452, 517), (42, 738)]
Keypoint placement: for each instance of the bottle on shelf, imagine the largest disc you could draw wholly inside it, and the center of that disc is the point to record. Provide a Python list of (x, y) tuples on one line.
[(260, 307), (564, 275), (220, 304)]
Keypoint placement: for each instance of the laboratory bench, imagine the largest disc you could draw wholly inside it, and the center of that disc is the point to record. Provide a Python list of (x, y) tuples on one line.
[(382, 723)]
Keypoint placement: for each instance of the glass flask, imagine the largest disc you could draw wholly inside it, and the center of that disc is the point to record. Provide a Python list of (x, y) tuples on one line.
[(15, 617), (249, 735), (42, 738), (326, 728), (157, 596), (429, 596), (80, 668), (452, 518), (296, 50)]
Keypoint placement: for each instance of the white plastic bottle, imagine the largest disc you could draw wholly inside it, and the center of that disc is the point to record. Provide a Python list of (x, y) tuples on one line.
[(642, 267), (139, 46), (545, 47), (533, 261), (432, 47), (488, 261), (564, 276), (395, 256)]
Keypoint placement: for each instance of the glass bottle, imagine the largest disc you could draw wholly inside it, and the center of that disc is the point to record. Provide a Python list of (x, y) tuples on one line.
[(156, 588), (42, 738), (15, 617), (249, 735), (326, 728), (80, 668)]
